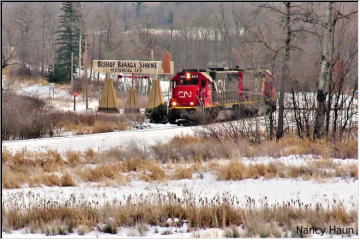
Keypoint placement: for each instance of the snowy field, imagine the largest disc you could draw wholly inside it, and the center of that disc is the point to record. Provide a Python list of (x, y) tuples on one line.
[(261, 192), (205, 186)]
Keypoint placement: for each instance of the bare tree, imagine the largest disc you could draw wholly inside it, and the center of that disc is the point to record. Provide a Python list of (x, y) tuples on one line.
[(24, 18), (323, 85), (109, 19), (285, 77), (322, 117)]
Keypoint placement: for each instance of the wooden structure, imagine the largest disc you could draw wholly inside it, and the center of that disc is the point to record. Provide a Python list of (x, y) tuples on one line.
[(155, 96), (108, 101), (132, 103)]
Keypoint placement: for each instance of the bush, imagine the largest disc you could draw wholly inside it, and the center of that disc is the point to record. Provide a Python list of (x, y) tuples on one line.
[(24, 117), (32, 120), (157, 114)]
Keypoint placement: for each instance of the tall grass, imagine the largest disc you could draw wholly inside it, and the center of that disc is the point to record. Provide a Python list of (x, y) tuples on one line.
[(258, 222)]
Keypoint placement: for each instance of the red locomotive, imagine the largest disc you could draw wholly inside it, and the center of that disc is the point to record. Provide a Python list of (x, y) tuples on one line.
[(220, 93)]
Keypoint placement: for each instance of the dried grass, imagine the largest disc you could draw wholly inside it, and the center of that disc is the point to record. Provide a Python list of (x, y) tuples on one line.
[(153, 172), (73, 158), (183, 173), (44, 168), (257, 222), (102, 126), (234, 170), (102, 172)]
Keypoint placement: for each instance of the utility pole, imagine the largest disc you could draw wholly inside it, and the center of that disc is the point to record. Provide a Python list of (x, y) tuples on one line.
[(171, 31), (71, 73), (86, 74), (80, 56), (53, 58), (92, 56), (149, 80), (81, 80), (97, 81)]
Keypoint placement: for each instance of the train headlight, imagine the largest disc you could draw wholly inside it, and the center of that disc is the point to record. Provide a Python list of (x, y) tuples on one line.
[(191, 103), (188, 75), (173, 104)]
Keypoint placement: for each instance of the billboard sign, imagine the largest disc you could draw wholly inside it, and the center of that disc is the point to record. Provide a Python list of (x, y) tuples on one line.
[(131, 66)]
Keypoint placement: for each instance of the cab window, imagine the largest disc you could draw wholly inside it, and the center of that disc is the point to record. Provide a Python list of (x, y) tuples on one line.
[(189, 82), (203, 83)]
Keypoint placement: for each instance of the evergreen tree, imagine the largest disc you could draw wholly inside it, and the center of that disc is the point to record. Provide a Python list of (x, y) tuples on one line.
[(67, 41)]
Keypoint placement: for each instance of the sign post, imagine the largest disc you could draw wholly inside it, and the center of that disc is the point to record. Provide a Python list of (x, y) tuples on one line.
[(52, 90), (75, 93)]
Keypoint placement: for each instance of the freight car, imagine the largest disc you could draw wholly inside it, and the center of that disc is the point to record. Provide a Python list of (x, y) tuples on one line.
[(215, 94)]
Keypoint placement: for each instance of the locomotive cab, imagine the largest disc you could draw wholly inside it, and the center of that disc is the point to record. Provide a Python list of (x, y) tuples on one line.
[(190, 89)]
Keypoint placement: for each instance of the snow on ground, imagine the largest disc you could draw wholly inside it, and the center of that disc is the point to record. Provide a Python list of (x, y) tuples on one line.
[(61, 99), (296, 160), (100, 141), (329, 192), (42, 91), (68, 105), (154, 232)]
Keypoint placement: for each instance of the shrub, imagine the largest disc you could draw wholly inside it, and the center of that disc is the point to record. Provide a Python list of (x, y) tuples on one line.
[(89, 155), (257, 170), (23, 117), (153, 172), (108, 228), (67, 180), (354, 171), (157, 114), (234, 170), (73, 158), (102, 172), (10, 179)]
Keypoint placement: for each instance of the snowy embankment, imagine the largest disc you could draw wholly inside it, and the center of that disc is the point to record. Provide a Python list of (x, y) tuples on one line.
[(100, 141), (103, 141)]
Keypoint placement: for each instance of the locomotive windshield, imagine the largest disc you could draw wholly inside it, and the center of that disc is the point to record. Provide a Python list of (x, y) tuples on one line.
[(189, 82)]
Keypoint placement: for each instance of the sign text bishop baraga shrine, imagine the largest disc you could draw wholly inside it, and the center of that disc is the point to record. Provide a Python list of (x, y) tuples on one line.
[(129, 66)]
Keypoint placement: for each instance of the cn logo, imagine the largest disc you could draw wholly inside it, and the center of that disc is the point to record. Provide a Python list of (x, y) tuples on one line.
[(184, 94)]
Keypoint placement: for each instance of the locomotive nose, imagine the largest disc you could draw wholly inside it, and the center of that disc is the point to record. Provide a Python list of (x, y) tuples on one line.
[(185, 96)]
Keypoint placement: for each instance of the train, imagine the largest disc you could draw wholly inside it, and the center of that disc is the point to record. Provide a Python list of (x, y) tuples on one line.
[(216, 94)]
